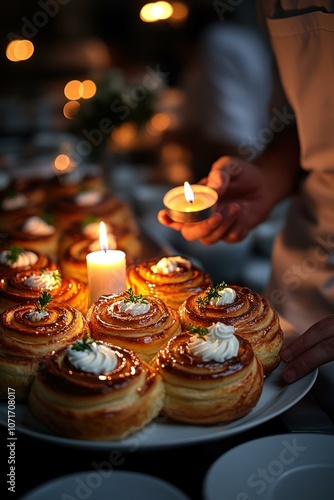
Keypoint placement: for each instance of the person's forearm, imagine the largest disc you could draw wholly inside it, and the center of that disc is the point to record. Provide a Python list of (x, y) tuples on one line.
[(280, 163)]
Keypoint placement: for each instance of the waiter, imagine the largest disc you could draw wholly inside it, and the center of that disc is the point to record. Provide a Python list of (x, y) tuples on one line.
[(298, 163)]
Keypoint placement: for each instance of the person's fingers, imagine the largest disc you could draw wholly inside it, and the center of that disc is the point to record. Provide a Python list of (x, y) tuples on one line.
[(320, 331), (309, 351), (213, 229), (222, 170), (310, 360), (197, 230), (231, 228), (164, 219)]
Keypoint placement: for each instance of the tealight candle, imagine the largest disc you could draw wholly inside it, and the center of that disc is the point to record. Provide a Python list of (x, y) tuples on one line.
[(190, 203), (106, 269)]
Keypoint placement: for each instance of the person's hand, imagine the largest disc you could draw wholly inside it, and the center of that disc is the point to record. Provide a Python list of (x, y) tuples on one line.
[(244, 201), (312, 349)]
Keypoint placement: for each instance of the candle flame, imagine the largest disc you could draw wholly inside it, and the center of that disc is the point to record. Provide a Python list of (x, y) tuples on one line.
[(103, 237), (188, 193)]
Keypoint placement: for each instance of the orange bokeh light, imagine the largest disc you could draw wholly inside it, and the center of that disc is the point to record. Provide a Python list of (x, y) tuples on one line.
[(19, 50)]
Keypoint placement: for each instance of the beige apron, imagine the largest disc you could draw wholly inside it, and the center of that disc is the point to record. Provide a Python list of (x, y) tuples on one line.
[(301, 286), (302, 283)]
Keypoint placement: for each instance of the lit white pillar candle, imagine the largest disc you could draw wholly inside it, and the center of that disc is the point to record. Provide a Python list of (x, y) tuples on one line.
[(106, 269)]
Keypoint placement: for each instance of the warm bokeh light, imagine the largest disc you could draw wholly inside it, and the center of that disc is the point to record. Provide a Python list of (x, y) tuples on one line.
[(19, 50), (124, 135), (62, 162), (177, 172), (159, 123), (180, 12), (73, 90), (87, 89), (156, 11), (71, 109)]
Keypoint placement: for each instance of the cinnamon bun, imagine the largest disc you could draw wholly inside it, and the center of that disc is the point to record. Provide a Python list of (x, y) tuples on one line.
[(211, 376), (140, 323), (95, 391), (91, 203), (172, 278), (35, 233), (27, 333), (15, 259), (26, 286), (250, 313)]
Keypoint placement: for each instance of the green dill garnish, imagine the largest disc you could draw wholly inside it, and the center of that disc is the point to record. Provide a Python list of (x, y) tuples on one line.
[(90, 219), (136, 299), (55, 274), (84, 344), (44, 300), (211, 293), (201, 331), (47, 218), (13, 253)]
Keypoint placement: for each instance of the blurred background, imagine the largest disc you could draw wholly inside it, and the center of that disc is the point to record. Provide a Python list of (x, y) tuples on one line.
[(148, 94)]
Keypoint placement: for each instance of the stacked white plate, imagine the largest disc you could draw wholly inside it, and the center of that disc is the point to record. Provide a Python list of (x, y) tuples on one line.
[(295, 466)]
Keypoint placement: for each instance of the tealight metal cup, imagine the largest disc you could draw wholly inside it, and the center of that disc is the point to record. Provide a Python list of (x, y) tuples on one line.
[(179, 210)]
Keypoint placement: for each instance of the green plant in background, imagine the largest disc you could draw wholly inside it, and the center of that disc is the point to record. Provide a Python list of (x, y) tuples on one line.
[(116, 101)]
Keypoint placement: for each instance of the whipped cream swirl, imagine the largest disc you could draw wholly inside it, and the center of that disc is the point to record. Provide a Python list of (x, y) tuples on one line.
[(226, 296), (15, 202), (88, 198), (132, 308), (47, 279), (168, 265), (37, 315), (98, 359), (219, 344), (25, 258), (36, 225)]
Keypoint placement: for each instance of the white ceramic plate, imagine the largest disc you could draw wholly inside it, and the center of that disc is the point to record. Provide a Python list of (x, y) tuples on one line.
[(121, 485), (277, 396), (285, 466)]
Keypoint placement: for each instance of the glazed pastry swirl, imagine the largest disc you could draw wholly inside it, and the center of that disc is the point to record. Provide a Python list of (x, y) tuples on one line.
[(172, 287), (80, 206), (208, 392), (82, 405), (14, 289), (110, 320), (27, 259), (250, 314), (26, 337)]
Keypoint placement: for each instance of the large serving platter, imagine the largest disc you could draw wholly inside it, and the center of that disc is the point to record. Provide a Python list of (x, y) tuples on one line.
[(277, 397)]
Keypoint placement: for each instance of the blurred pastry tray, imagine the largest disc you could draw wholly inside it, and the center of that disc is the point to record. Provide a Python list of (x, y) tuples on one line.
[(154, 244)]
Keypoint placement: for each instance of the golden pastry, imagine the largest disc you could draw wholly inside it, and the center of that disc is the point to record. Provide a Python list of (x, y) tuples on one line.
[(211, 376), (171, 278), (91, 203), (14, 259), (27, 333), (95, 391), (27, 286), (139, 323), (15, 207), (35, 233), (250, 314)]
